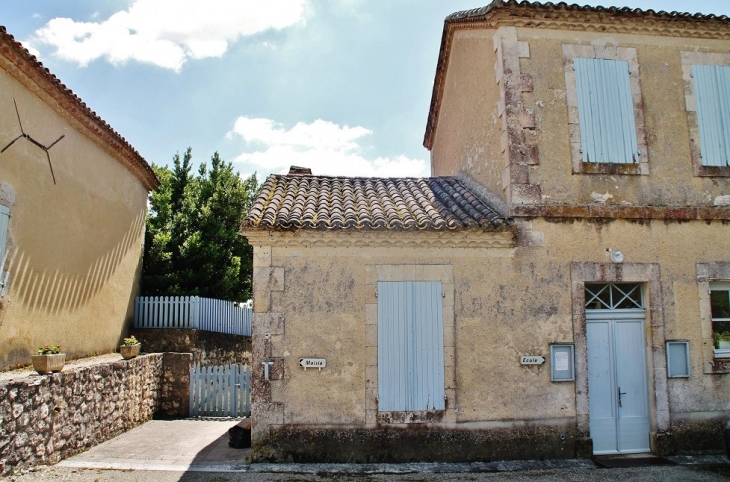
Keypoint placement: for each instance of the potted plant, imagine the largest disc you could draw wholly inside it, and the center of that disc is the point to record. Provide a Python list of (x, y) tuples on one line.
[(722, 340), (49, 359), (130, 348)]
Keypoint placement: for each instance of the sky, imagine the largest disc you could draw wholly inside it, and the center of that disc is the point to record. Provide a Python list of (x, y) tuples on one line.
[(340, 86)]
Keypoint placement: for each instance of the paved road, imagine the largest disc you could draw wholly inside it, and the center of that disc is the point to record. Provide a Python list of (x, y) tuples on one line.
[(197, 450), (642, 474)]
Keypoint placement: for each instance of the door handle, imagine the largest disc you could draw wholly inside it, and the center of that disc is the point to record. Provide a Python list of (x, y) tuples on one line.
[(619, 395)]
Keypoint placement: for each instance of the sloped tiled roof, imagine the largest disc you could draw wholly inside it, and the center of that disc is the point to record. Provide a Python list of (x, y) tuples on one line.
[(320, 202)]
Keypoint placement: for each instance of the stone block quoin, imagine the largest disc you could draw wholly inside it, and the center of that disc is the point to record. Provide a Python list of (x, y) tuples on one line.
[(518, 123)]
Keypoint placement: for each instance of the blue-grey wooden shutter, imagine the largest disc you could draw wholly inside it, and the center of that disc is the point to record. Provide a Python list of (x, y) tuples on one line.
[(4, 222), (606, 111), (410, 346), (712, 93), (394, 349)]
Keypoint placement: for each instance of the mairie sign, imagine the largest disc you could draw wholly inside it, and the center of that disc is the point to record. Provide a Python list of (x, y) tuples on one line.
[(312, 363), (532, 360)]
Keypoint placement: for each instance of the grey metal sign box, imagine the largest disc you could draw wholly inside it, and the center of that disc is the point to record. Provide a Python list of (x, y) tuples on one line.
[(562, 362)]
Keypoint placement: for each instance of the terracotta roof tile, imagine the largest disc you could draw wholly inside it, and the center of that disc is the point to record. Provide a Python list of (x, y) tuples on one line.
[(320, 202)]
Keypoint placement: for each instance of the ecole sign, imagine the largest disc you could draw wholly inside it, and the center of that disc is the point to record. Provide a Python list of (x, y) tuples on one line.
[(312, 363), (532, 360)]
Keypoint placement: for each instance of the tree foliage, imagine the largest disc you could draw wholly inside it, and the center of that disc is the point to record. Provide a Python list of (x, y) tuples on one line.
[(192, 243)]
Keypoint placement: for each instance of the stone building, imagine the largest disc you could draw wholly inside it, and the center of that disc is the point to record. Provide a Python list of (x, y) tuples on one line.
[(73, 198), (554, 290)]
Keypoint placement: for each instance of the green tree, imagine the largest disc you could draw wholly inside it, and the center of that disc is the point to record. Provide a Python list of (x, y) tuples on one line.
[(192, 243)]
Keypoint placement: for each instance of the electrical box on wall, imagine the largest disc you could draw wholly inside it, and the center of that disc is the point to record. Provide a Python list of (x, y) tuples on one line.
[(562, 362)]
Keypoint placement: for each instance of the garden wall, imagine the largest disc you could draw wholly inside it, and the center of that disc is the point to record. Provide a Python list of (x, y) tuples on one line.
[(208, 348), (47, 418)]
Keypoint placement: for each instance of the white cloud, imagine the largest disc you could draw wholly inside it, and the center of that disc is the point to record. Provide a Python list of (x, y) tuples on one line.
[(168, 32), (327, 148)]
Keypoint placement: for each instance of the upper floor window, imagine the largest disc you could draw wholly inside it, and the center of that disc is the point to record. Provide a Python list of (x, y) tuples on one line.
[(712, 91), (604, 110), (707, 99)]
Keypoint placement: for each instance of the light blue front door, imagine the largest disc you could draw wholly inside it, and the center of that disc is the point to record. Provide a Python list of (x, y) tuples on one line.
[(617, 381)]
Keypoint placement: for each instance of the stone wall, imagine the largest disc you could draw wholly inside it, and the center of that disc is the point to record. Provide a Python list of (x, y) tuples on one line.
[(46, 418), (174, 399), (208, 348)]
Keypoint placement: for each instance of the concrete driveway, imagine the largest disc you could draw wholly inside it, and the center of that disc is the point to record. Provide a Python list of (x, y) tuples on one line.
[(171, 445)]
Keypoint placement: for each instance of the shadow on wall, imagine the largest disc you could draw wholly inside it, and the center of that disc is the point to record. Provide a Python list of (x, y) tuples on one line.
[(53, 292)]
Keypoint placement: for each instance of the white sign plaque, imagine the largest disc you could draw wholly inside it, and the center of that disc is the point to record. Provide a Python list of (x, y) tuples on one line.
[(532, 360), (312, 363)]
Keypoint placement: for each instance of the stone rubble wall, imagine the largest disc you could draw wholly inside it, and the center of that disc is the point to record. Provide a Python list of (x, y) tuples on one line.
[(47, 418), (208, 348)]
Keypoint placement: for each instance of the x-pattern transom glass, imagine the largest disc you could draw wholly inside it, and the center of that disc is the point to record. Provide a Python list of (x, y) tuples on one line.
[(612, 296)]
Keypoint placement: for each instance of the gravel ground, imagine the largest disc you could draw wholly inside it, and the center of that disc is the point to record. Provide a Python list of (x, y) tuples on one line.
[(642, 474)]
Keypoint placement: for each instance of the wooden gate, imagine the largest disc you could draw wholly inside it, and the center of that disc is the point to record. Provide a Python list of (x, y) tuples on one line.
[(220, 391)]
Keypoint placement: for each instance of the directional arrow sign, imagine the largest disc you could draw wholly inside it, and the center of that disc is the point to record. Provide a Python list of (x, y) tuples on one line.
[(312, 363), (532, 360)]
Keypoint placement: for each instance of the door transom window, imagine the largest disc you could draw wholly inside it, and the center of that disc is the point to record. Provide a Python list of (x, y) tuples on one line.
[(613, 296)]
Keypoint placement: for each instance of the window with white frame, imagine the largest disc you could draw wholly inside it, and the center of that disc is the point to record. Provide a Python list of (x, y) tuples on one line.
[(605, 118), (720, 309), (410, 346)]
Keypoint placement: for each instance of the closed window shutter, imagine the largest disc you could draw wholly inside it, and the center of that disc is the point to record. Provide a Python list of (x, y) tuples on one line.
[(606, 111), (712, 92), (4, 221), (410, 346)]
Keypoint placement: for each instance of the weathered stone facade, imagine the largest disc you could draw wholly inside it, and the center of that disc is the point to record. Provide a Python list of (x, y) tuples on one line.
[(503, 115), (46, 418), (208, 348)]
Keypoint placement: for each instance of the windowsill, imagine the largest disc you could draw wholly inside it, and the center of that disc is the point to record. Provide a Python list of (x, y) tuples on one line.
[(722, 352), (420, 416), (712, 171), (613, 168)]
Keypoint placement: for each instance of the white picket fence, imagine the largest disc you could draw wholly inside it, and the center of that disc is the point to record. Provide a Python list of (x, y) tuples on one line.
[(220, 391), (192, 312)]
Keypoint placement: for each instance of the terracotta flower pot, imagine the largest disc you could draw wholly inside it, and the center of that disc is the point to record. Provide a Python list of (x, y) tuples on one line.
[(130, 351), (49, 363)]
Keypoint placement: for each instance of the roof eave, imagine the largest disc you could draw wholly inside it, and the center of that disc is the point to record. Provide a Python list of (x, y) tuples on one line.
[(29, 71)]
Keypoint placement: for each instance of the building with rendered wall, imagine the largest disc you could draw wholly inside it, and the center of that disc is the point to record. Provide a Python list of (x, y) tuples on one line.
[(578, 212), (73, 198)]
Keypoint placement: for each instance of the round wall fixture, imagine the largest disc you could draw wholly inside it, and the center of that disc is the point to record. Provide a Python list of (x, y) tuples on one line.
[(617, 256)]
